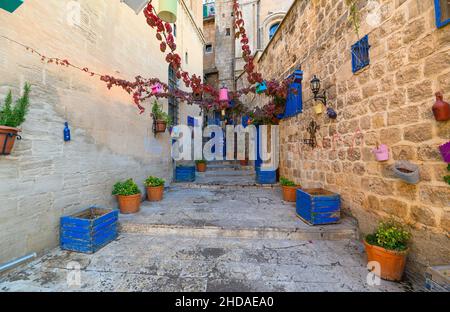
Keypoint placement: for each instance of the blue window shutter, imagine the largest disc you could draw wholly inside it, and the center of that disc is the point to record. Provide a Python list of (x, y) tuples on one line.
[(190, 121), (360, 54), (441, 20), (294, 101)]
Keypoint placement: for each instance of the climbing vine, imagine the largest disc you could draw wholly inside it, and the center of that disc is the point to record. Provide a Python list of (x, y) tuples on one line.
[(354, 14)]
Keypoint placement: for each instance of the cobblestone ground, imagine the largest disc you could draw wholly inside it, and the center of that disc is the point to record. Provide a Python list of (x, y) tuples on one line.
[(220, 234)]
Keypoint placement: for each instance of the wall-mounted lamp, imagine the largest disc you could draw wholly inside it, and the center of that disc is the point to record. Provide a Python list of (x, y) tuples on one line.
[(315, 88)]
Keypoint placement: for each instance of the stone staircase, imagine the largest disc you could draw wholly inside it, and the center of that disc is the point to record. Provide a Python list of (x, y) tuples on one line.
[(226, 201)]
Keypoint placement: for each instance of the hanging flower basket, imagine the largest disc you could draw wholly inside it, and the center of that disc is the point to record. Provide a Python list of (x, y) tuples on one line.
[(407, 171), (381, 152), (445, 151), (161, 126)]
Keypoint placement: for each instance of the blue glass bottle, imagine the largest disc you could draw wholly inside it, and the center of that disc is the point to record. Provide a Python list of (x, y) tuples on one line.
[(66, 132)]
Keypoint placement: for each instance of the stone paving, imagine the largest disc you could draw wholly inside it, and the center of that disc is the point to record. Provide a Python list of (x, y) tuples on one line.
[(137, 262), (216, 236)]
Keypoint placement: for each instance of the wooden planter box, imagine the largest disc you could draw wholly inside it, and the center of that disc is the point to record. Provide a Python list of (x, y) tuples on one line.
[(89, 230), (318, 206), (266, 177), (438, 278), (185, 174)]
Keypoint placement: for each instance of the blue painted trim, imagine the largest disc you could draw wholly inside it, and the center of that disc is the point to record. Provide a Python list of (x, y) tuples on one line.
[(360, 54), (438, 10), (294, 101)]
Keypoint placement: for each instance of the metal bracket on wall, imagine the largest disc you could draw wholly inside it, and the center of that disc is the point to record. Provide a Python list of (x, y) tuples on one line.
[(312, 129)]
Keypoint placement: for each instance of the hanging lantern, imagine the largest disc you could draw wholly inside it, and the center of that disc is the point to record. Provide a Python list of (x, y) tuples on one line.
[(168, 10), (261, 87), (10, 5), (223, 94)]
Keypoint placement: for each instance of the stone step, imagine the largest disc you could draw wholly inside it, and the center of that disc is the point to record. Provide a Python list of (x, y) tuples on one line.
[(252, 213), (312, 233), (225, 173), (212, 167)]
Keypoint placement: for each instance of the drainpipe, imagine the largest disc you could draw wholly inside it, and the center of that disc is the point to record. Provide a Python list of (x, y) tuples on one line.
[(12, 264)]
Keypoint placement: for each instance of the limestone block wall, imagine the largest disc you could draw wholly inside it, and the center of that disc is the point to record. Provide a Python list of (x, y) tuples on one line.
[(45, 178), (388, 102)]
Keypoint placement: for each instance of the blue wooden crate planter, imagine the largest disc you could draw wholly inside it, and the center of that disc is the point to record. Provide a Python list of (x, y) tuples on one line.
[(10, 5), (89, 230), (318, 206), (266, 177), (185, 174)]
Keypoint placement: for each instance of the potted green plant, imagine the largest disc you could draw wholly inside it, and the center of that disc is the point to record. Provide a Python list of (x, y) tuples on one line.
[(201, 165), (289, 189), (161, 118), (12, 117), (128, 195), (155, 188), (389, 247)]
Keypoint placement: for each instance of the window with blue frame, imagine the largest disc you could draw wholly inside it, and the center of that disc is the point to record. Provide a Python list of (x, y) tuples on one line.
[(360, 54), (294, 100), (442, 9), (273, 29)]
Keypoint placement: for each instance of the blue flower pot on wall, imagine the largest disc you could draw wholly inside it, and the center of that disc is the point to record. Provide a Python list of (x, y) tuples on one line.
[(261, 87), (10, 5)]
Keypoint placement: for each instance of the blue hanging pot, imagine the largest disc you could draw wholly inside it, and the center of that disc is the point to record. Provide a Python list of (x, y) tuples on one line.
[(331, 113), (10, 5), (261, 87)]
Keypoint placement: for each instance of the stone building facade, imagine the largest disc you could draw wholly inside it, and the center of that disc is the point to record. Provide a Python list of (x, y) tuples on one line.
[(45, 178), (388, 102)]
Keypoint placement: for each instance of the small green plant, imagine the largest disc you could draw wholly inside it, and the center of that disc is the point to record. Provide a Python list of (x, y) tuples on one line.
[(14, 116), (199, 162), (126, 188), (159, 114), (287, 182), (447, 178), (354, 14), (154, 182), (390, 235)]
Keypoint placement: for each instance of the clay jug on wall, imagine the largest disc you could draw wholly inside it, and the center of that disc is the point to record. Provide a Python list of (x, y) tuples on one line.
[(441, 109)]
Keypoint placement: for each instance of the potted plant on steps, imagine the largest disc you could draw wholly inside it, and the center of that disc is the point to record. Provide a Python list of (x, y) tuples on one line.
[(161, 118), (201, 165), (289, 189), (128, 195), (155, 188), (12, 117), (389, 247)]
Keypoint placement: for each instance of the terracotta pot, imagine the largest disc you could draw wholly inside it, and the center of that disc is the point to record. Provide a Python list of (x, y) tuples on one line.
[(155, 193), (290, 193), (201, 167), (161, 126), (392, 263), (129, 204), (7, 139), (244, 162), (441, 109)]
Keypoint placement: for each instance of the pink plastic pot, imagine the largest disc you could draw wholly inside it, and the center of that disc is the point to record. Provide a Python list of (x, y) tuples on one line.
[(445, 152), (156, 89), (223, 95), (381, 153)]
